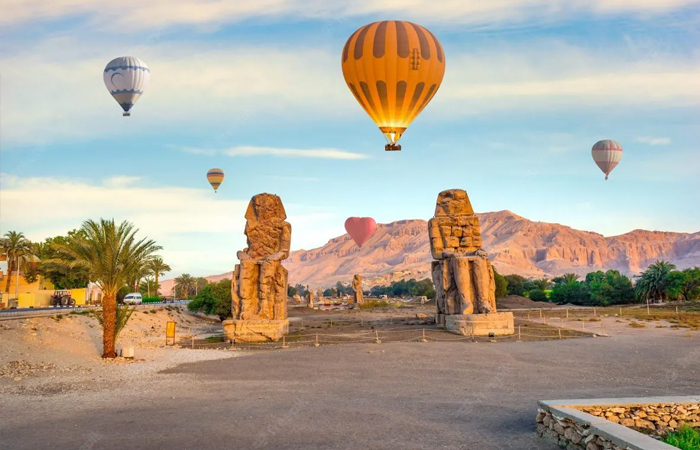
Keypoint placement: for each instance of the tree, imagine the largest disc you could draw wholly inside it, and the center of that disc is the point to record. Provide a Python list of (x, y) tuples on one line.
[(214, 299), (199, 284), (654, 281), (138, 274), (573, 292), (148, 287), (330, 292), (501, 284), (18, 249), (570, 277), (184, 285), (110, 253), (609, 288), (541, 284), (60, 275), (300, 289), (537, 295), (515, 284), (158, 269), (291, 291), (684, 285)]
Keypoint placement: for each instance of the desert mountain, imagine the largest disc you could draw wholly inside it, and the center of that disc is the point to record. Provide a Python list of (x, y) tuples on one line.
[(515, 245)]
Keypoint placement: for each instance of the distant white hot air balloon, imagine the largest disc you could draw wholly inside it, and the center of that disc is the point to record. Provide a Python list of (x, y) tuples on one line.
[(607, 154), (125, 78)]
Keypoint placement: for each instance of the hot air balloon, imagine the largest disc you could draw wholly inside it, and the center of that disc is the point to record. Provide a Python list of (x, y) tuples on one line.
[(125, 78), (393, 68), (215, 177), (607, 154), (360, 229)]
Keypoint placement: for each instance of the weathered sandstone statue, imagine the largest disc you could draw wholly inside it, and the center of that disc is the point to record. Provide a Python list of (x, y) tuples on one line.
[(319, 294), (465, 290), (259, 284), (357, 289), (309, 297)]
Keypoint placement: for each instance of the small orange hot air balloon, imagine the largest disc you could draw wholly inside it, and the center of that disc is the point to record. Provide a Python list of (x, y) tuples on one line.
[(215, 177), (393, 68)]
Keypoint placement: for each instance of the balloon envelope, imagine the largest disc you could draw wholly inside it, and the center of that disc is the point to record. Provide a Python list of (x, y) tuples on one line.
[(360, 229), (607, 154), (393, 68), (215, 177), (126, 77)]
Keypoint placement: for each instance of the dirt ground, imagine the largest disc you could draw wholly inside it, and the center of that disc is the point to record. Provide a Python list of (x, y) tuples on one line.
[(402, 393)]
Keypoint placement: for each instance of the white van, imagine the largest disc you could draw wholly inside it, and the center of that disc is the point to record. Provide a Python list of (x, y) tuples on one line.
[(133, 299)]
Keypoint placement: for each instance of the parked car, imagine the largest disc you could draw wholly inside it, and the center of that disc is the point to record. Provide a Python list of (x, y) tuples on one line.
[(133, 299)]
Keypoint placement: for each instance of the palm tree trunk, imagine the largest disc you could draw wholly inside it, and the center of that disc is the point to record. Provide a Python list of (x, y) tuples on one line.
[(9, 274), (109, 321), (156, 294)]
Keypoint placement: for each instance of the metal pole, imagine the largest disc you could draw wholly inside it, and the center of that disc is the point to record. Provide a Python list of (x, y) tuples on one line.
[(518, 332)]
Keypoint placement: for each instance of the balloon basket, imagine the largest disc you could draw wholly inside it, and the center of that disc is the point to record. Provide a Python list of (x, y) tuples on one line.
[(126, 114), (392, 147)]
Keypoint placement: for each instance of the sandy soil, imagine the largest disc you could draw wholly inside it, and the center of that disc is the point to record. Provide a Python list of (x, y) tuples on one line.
[(49, 355)]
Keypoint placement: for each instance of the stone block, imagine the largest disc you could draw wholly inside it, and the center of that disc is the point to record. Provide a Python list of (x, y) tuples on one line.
[(498, 323), (255, 330)]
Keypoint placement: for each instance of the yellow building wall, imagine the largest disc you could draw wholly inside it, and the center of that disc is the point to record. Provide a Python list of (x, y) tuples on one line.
[(24, 287), (42, 299)]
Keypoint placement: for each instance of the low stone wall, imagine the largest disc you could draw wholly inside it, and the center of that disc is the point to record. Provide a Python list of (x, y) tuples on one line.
[(609, 424), (659, 418)]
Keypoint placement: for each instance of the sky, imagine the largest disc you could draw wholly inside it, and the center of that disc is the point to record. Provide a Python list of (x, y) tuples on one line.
[(256, 88)]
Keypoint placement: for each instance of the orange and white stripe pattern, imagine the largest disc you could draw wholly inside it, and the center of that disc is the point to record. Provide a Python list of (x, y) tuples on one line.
[(607, 154), (393, 68)]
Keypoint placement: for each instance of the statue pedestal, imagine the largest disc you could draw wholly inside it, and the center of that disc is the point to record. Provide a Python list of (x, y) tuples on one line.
[(498, 324), (255, 330)]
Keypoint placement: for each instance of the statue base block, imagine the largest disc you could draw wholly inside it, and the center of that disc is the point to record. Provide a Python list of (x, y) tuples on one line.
[(496, 324), (255, 330)]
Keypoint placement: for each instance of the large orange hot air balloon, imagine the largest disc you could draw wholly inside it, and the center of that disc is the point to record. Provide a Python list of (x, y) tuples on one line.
[(393, 68), (215, 177)]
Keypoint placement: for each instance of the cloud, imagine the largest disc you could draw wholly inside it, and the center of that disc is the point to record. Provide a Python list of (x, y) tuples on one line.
[(200, 233), (323, 153), (285, 178), (225, 89), (198, 151), (654, 140), (150, 14)]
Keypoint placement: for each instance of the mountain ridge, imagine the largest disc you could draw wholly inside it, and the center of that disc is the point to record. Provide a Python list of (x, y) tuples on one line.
[(515, 244)]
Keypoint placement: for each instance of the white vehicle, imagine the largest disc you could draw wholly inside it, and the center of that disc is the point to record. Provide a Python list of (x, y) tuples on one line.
[(133, 299)]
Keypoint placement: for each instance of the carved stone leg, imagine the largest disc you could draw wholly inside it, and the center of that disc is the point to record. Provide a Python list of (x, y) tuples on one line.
[(436, 272), (235, 298), (449, 288), (481, 267), (463, 282), (280, 293), (248, 288), (266, 289)]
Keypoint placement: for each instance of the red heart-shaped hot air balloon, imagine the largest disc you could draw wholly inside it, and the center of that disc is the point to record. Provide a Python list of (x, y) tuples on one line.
[(360, 229)]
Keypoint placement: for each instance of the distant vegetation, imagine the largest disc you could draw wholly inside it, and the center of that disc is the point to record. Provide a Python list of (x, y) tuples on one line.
[(405, 288), (661, 281), (214, 299)]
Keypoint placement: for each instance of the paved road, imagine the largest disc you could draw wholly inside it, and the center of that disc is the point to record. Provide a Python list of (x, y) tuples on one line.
[(389, 396)]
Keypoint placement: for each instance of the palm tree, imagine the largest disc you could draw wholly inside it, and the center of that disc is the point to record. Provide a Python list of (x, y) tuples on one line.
[(138, 274), (110, 253), (184, 284), (200, 283), (158, 268), (541, 284), (653, 282), (18, 249), (570, 278)]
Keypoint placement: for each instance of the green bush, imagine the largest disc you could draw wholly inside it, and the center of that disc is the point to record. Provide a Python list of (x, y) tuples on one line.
[(214, 299), (537, 296), (152, 299), (686, 438), (371, 304)]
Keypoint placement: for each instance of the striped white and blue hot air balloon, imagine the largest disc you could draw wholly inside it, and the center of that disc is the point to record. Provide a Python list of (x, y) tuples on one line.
[(606, 154), (125, 78)]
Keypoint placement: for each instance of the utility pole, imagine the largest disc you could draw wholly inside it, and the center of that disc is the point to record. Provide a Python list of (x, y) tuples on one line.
[(17, 283)]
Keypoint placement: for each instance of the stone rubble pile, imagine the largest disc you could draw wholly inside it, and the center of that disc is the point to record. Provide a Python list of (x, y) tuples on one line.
[(16, 369), (570, 435), (659, 418)]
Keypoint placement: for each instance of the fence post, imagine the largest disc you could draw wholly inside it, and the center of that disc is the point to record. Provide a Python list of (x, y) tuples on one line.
[(316, 344), (620, 312), (567, 313), (424, 339), (648, 313), (559, 333), (677, 313), (376, 334), (540, 313), (284, 343), (518, 332), (193, 341), (595, 314)]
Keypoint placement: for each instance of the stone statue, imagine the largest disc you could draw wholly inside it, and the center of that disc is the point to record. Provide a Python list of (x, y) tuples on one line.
[(259, 284), (309, 297), (462, 274), (297, 298), (357, 289), (319, 294)]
